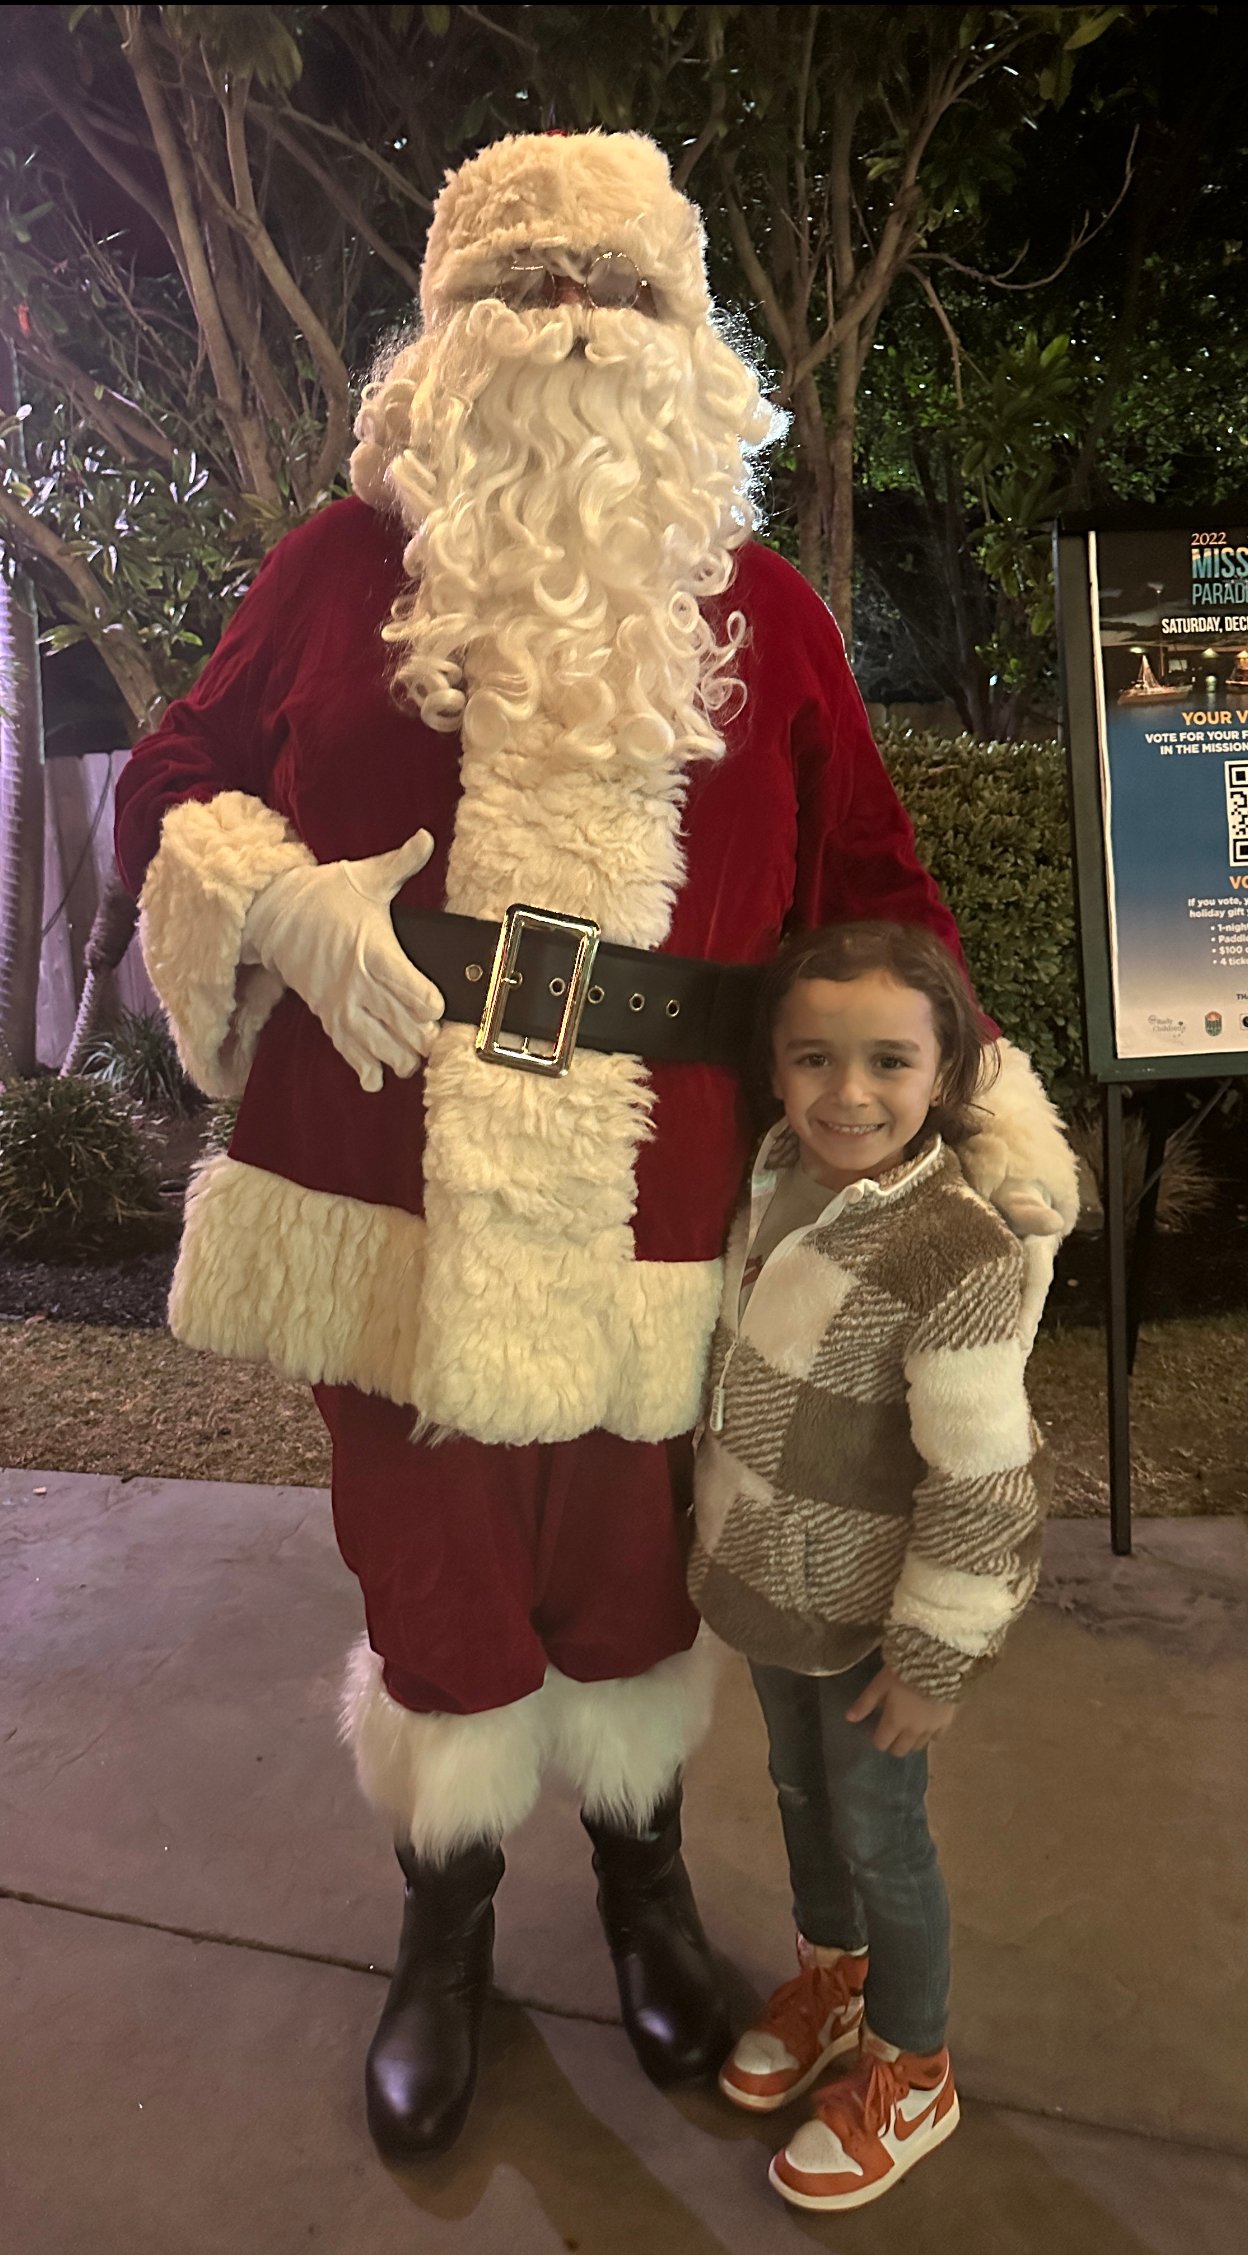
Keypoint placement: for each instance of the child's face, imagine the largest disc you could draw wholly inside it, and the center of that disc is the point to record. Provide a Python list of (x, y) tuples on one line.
[(856, 1063)]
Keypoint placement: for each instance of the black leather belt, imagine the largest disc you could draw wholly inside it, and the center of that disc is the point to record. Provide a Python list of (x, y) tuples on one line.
[(540, 985)]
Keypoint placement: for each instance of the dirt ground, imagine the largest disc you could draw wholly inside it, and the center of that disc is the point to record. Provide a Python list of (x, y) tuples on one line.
[(85, 1398)]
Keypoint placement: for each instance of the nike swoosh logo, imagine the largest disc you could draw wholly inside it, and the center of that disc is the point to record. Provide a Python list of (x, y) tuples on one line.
[(903, 2129)]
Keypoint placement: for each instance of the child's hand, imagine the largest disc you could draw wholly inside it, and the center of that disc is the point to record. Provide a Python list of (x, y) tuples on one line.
[(909, 1720)]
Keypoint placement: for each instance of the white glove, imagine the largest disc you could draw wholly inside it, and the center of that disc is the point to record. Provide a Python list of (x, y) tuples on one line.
[(326, 932), (1027, 1208)]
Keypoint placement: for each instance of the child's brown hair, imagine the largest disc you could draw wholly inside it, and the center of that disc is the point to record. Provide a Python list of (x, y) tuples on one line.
[(914, 957)]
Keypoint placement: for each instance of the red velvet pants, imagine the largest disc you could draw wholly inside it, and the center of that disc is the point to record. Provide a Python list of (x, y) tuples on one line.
[(481, 1566)]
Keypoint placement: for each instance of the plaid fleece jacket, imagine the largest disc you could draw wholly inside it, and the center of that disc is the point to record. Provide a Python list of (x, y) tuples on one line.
[(868, 1471)]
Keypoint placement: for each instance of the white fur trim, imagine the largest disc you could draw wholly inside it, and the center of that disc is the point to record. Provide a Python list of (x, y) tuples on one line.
[(968, 1612), (443, 1780), (1024, 1137), (968, 1408), (623, 1742), (212, 861), (584, 190), (324, 1288), (329, 1289), (1039, 1254)]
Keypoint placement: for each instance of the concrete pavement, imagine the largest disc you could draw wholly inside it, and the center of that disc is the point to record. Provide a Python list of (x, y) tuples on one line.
[(197, 1916)]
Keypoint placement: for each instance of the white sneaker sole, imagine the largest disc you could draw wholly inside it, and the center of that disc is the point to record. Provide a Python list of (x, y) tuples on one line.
[(756, 2102), (835, 2201)]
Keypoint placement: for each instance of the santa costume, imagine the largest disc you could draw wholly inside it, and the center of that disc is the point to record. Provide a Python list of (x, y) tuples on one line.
[(539, 659)]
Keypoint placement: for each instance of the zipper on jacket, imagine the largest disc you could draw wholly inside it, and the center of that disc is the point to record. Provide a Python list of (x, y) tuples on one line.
[(716, 1419)]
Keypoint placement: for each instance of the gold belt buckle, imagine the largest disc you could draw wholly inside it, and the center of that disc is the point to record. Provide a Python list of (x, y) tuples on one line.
[(491, 1043)]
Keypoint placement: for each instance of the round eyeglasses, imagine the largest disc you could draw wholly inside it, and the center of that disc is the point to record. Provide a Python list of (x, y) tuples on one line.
[(609, 281)]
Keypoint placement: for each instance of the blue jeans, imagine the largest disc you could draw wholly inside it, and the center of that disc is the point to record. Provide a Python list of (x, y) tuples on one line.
[(861, 1859)]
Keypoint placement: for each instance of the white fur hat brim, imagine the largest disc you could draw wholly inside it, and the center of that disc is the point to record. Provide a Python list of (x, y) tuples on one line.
[(608, 191)]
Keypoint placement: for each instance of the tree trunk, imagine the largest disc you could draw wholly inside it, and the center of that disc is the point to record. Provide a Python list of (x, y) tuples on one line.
[(112, 930), (21, 788), (841, 451), (813, 481), (975, 694)]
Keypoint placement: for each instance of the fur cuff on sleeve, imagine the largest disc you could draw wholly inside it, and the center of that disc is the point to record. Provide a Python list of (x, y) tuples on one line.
[(1022, 1136), (213, 860)]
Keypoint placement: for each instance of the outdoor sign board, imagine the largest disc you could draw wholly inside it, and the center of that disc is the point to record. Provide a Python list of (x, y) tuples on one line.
[(1153, 619)]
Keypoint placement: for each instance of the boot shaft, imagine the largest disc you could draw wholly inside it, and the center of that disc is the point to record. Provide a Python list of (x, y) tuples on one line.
[(642, 1874), (448, 1912)]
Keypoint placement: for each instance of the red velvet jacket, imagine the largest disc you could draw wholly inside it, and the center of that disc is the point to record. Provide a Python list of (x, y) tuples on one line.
[(797, 825)]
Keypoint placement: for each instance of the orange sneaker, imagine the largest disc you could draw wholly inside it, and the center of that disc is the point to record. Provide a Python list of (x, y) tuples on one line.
[(809, 2022), (868, 2129)]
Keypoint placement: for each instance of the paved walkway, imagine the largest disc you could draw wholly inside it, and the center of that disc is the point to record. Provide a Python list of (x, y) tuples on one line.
[(196, 1917)]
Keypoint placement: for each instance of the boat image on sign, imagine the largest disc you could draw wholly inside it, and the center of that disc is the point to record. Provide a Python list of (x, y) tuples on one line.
[(1146, 689)]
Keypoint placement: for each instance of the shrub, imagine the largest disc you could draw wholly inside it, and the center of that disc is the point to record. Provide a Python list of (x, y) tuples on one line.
[(219, 1126), (75, 1182), (992, 824), (137, 1058)]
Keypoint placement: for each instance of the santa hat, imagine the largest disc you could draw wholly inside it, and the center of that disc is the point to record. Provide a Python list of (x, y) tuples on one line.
[(585, 191)]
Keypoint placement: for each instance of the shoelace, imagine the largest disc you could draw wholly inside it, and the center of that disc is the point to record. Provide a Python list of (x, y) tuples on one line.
[(798, 2010), (857, 2106)]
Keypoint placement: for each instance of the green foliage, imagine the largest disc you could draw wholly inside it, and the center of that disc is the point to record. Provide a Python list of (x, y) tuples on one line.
[(992, 824), (173, 550), (219, 1126), (75, 1183), (243, 41), (1027, 421), (136, 1057)]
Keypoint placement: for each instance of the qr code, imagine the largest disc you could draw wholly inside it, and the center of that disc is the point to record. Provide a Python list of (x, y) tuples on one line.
[(1237, 812)]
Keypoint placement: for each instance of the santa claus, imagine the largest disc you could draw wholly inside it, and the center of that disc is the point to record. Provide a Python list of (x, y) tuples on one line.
[(455, 862)]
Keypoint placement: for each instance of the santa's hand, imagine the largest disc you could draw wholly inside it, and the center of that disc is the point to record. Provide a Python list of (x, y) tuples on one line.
[(1027, 1207), (326, 932)]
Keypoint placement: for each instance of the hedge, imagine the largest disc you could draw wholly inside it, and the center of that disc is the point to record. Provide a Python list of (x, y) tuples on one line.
[(992, 824)]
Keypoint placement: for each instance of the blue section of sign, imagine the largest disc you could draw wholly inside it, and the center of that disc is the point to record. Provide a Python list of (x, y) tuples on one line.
[(1174, 751)]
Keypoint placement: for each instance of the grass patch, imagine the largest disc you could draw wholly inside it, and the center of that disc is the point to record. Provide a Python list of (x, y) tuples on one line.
[(1187, 1453), (80, 1398)]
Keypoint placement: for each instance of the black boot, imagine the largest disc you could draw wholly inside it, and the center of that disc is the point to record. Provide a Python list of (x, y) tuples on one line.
[(422, 2062), (671, 2000)]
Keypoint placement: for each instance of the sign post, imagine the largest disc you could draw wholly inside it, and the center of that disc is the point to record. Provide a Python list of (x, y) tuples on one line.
[(1153, 632)]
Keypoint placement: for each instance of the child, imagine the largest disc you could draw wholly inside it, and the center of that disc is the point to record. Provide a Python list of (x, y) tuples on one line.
[(868, 1519)]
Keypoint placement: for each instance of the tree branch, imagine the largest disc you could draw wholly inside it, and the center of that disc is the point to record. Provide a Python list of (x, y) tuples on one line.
[(754, 271), (247, 439), (806, 261), (710, 132), (239, 304), (266, 116), (117, 643), (347, 205), (243, 318), (123, 426), (1083, 235), (85, 132), (502, 31), (845, 114), (233, 98), (898, 237), (928, 288)]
